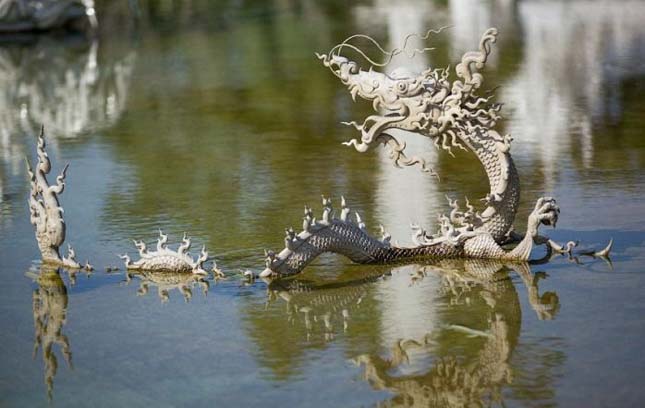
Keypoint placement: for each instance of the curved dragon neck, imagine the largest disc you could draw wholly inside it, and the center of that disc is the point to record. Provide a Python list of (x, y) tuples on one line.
[(492, 150)]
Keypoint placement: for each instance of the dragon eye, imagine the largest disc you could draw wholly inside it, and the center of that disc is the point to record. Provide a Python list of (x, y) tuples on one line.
[(402, 86)]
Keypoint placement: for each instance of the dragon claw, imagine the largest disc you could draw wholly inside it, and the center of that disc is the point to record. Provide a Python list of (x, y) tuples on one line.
[(546, 212)]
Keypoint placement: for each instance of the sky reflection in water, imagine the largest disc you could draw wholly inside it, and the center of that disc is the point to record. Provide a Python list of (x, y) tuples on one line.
[(218, 120)]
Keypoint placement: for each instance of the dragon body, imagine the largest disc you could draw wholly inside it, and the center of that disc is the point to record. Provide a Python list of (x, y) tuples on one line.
[(453, 115)]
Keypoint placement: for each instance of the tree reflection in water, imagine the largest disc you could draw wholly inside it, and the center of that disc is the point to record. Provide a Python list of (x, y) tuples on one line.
[(463, 359), (83, 88), (76, 92)]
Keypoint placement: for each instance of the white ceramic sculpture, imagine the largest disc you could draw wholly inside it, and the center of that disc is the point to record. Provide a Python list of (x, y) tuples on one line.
[(165, 259), (46, 214), (452, 115)]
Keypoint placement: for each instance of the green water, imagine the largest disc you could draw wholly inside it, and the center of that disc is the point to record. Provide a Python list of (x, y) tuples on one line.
[(217, 119)]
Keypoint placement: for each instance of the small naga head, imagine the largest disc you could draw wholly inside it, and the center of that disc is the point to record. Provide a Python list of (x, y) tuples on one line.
[(425, 103)]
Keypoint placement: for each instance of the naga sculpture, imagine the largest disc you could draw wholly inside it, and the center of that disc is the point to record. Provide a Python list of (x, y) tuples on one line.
[(165, 259), (46, 214), (453, 115)]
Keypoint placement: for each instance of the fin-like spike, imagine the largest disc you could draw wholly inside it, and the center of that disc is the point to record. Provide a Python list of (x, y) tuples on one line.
[(562, 249), (359, 221), (327, 209), (604, 253), (385, 236), (344, 212), (290, 237)]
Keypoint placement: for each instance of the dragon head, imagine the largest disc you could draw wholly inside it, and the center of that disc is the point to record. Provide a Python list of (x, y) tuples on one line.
[(387, 92), (426, 103), (402, 99)]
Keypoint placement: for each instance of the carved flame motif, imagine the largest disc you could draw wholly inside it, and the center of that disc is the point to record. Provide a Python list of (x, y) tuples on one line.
[(165, 259), (46, 214)]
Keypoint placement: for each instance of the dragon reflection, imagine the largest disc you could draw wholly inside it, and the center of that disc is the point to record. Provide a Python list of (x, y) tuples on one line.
[(463, 359)]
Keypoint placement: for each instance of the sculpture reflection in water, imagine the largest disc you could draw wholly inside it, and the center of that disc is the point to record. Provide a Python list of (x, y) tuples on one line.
[(464, 359), (50, 316), (166, 281)]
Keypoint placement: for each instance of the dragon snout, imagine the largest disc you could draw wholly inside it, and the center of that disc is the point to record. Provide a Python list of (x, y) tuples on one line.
[(332, 61), (341, 66)]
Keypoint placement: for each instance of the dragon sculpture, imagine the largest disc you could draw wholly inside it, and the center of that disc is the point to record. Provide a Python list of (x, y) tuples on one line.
[(452, 115)]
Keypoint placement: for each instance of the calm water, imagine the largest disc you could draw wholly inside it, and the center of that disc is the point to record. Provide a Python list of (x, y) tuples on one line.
[(218, 120)]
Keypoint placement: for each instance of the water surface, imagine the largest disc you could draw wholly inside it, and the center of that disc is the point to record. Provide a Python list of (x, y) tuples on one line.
[(217, 119)]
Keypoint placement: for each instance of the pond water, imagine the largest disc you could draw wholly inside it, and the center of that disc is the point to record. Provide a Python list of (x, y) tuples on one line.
[(217, 119)]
